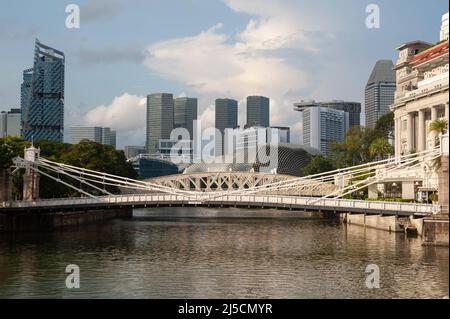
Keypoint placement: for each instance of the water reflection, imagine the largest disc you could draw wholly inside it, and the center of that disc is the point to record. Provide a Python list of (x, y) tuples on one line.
[(176, 253)]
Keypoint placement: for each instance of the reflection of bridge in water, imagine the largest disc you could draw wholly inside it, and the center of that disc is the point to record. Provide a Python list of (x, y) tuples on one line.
[(324, 191)]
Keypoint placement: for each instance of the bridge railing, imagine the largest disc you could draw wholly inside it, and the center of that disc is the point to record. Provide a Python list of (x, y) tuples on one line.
[(279, 200)]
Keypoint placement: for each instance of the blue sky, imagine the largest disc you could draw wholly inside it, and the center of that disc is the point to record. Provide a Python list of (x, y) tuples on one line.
[(287, 50)]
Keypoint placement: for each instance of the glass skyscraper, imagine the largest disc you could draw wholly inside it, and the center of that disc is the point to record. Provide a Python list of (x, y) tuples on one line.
[(42, 96), (185, 112), (226, 117), (257, 111), (323, 126), (380, 91), (160, 119)]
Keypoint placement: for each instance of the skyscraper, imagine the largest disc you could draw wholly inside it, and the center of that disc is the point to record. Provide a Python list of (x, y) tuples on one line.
[(258, 111), (100, 135), (185, 112), (42, 95), (380, 91), (226, 117), (352, 108), (10, 123), (323, 126), (160, 119)]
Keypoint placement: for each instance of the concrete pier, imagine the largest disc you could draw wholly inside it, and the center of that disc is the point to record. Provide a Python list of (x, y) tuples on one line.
[(388, 223), (52, 220), (435, 231)]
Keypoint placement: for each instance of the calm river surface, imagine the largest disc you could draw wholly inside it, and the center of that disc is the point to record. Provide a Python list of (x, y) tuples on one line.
[(178, 253)]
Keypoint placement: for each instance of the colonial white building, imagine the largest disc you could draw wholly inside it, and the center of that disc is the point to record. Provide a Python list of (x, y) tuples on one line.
[(422, 76), (422, 92)]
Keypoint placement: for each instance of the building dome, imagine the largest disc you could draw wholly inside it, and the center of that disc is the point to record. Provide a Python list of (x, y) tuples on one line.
[(288, 159)]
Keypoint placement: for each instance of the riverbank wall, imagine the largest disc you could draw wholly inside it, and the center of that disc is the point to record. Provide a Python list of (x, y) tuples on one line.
[(388, 223), (32, 221), (433, 230)]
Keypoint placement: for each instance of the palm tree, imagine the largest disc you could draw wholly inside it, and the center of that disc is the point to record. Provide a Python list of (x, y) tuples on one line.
[(439, 127), (380, 147)]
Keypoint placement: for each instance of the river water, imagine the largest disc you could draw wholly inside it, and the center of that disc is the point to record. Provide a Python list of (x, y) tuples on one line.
[(220, 253)]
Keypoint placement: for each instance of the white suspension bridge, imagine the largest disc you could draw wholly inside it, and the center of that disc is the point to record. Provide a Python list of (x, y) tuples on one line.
[(324, 191)]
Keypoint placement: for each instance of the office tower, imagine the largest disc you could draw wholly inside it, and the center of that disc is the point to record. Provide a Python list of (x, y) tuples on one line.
[(91, 133), (108, 136), (10, 123), (323, 126), (258, 111), (226, 117), (379, 92), (113, 139), (133, 150), (3, 124), (279, 134), (352, 108), (160, 119), (100, 135), (42, 96), (185, 112)]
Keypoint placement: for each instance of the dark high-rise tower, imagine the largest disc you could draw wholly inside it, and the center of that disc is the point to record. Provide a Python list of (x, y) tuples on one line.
[(42, 96), (379, 93), (185, 112), (159, 119), (257, 111), (226, 117)]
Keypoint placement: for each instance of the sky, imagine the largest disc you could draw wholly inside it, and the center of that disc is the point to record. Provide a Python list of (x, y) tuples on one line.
[(287, 50)]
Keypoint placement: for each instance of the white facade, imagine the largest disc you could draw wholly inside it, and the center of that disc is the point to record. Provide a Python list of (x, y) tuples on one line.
[(421, 97), (422, 92), (443, 35), (323, 126)]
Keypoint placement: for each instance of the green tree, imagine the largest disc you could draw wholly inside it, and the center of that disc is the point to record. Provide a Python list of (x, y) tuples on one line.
[(354, 149), (439, 127), (86, 154), (385, 126), (380, 148), (318, 164)]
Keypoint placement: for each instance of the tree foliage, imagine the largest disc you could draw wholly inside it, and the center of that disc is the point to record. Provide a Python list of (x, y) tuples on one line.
[(380, 148), (356, 147), (86, 154), (318, 164)]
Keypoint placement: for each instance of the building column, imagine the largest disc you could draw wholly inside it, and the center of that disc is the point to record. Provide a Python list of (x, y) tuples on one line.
[(410, 129), (421, 146), (434, 117), (397, 136), (446, 111), (408, 190), (434, 113)]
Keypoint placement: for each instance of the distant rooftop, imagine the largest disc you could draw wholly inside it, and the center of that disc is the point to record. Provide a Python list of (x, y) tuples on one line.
[(382, 72)]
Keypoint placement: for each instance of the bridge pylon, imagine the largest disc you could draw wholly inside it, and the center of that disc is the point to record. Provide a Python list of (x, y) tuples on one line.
[(5, 185), (31, 177)]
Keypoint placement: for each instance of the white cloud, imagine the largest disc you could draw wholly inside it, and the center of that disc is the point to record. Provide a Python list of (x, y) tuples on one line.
[(287, 51), (269, 57), (126, 114)]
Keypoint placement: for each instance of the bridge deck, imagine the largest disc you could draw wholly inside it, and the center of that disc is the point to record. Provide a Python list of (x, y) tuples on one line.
[(275, 201)]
